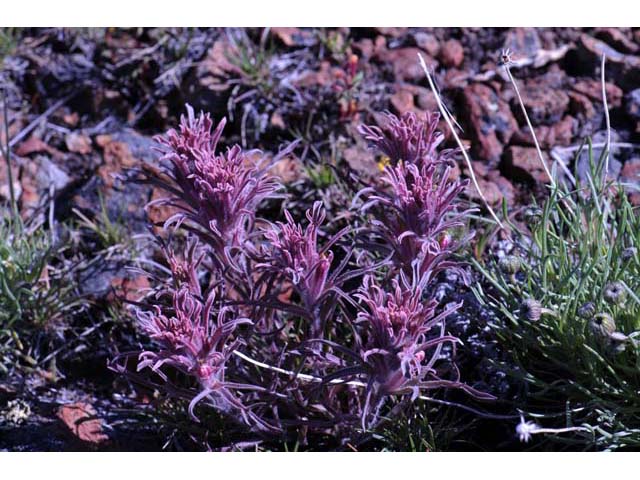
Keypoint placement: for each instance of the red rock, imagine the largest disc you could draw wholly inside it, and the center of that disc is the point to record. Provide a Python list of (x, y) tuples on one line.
[(380, 45), (596, 48), (287, 169), (78, 143), (405, 64), (580, 105), (631, 170), (129, 288), (323, 76), (523, 42), (452, 53), (103, 140), (545, 104), (80, 418), (494, 187), (563, 132), (427, 42), (490, 119), (361, 159), (425, 99), (393, 32), (116, 156), (31, 145), (593, 90), (364, 47), (560, 134), (277, 121), (617, 39), (631, 174), (35, 145), (523, 164), (412, 98), (216, 68), (158, 214), (291, 36), (402, 101), (624, 69)]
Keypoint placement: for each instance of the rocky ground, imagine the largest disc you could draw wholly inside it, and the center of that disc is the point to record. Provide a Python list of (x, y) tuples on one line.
[(84, 104)]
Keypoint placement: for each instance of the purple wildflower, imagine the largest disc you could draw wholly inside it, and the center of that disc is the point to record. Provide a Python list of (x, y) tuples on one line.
[(294, 253), (420, 206), (408, 139), (219, 192), (403, 340), (194, 341), (288, 271), (184, 271)]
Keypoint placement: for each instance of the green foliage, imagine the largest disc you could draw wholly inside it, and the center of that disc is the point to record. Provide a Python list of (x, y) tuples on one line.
[(34, 296), (8, 41), (253, 62), (570, 314), (108, 232), (321, 175), (336, 43)]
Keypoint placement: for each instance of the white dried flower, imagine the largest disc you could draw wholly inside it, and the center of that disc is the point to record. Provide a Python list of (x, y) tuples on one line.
[(525, 430)]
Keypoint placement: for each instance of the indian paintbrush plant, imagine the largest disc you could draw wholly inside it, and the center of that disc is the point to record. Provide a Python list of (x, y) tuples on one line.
[(279, 325)]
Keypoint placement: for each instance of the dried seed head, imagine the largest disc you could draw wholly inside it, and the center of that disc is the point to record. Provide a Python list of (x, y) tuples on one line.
[(615, 293), (506, 57), (531, 309), (629, 254), (602, 325), (510, 264), (533, 215), (587, 310)]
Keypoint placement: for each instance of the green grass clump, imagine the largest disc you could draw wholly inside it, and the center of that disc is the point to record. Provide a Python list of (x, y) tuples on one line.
[(108, 233), (9, 37), (36, 291), (569, 311), (34, 296)]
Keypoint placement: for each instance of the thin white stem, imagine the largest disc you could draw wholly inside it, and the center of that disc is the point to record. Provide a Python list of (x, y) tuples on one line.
[(560, 430), (526, 116), (606, 118), (300, 376), (447, 117)]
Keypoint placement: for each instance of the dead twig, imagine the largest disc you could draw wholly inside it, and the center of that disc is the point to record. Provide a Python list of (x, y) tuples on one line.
[(35, 122)]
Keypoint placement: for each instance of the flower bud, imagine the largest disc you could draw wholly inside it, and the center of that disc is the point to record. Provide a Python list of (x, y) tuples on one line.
[(602, 325), (587, 310), (510, 264), (533, 215), (615, 293), (629, 254), (531, 309)]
